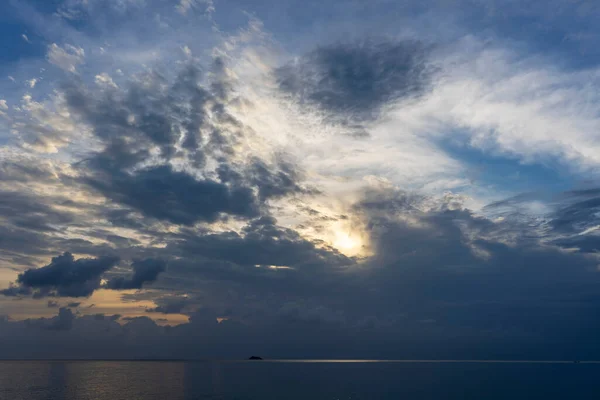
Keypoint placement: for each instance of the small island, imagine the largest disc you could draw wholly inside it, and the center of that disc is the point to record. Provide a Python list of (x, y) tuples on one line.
[(255, 358)]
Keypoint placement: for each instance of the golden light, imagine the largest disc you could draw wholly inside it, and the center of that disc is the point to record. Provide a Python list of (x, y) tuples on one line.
[(348, 243), (344, 241)]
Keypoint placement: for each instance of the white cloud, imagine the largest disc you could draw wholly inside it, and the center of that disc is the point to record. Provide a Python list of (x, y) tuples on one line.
[(3, 105), (25, 38), (67, 58), (77, 9), (489, 98), (105, 80), (44, 127), (186, 50), (333, 158), (186, 5), (32, 82), (501, 103)]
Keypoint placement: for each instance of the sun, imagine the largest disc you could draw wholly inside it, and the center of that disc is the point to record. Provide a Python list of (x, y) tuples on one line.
[(334, 230), (347, 243)]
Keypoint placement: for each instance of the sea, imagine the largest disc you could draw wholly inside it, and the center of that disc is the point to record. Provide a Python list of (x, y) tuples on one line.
[(297, 379)]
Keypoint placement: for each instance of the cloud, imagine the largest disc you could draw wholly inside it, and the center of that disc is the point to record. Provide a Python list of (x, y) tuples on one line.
[(30, 212), (20, 167), (239, 171), (152, 111), (175, 196), (578, 212), (183, 120), (144, 271), (170, 305), (568, 219), (53, 304), (65, 276), (25, 38), (67, 57), (16, 290), (434, 262), (299, 311), (262, 242), (574, 220), (78, 9), (277, 182), (43, 127), (486, 99), (29, 222), (357, 79), (105, 79), (63, 321), (184, 6)]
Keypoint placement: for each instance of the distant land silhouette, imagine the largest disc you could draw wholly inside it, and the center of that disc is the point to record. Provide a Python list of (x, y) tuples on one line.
[(255, 358)]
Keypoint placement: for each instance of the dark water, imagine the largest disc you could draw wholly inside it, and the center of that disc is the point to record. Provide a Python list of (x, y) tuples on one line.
[(102, 380)]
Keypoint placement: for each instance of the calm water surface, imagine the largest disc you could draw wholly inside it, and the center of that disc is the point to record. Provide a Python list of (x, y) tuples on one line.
[(137, 380)]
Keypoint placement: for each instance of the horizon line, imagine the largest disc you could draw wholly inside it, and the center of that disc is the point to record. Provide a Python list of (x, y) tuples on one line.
[(305, 360)]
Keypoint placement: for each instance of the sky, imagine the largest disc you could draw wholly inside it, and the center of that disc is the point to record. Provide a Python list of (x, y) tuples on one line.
[(381, 179)]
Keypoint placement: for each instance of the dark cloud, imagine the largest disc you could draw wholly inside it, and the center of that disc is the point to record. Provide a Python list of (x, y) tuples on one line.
[(64, 276), (444, 268), (74, 305), (126, 218), (570, 223), (63, 321), (34, 224), (274, 182), (589, 243), (177, 197), (450, 266), (439, 274), (144, 271), (16, 290), (121, 241), (169, 305), (357, 79), (152, 110), (262, 242), (185, 118), (24, 169), (300, 311), (53, 304), (102, 317), (513, 201), (573, 212), (22, 247), (578, 211), (31, 213)]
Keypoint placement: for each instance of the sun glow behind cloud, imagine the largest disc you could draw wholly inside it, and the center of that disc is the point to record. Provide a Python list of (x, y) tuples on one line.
[(348, 244)]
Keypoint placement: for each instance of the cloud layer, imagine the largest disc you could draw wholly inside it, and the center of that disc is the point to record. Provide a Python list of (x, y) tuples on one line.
[(186, 179)]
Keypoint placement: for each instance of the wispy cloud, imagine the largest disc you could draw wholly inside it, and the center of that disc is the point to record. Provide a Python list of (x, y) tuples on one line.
[(67, 57)]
